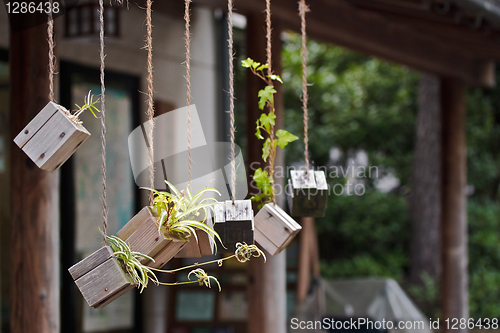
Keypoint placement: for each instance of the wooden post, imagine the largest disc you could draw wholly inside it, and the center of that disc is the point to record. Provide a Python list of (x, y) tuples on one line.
[(454, 297), (425, 199), (305, 257), (35, 196), (267, 287)]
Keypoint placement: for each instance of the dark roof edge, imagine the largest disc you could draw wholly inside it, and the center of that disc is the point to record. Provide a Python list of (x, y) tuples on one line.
[(489, 9)]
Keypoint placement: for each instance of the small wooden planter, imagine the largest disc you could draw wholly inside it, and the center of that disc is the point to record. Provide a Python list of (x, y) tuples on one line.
[(142, 235), (307, 194), (234, 224), (51, 137), (274, 229), (100, 278)]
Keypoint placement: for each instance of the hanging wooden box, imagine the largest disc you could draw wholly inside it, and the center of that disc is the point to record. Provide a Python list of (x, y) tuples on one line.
[(307, 193), (51, 137), (100, 278), (142, 235), (274, 228), (234, 224), (203, 247)]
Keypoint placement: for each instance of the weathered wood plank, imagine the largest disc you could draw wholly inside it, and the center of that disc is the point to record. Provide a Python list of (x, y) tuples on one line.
[(301, 179), (35, 124), (191, 249), (103, 282), (241, 210), (89, 263), (220, 213), (128, 229), (49, 140), (321, 183), (115, 296), (235, 226), (146, 238), (275, 226), (307, 193), (167, 253)]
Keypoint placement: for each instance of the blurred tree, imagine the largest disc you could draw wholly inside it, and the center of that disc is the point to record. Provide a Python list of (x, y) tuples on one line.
[(358, 103)]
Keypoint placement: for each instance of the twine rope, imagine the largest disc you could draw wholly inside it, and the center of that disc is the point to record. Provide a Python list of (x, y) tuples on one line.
[(50, 40), (303, 9), (150, 112), (268, 35), (187, 38), (103, 122), (269, 55), (231, 97)]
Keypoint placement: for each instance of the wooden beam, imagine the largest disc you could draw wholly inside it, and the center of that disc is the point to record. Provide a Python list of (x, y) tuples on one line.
[(454, 297), (35, 195), (370, 33)]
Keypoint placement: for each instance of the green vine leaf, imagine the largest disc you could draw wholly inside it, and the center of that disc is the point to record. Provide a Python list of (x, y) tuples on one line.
[(285, 137), (257, 132), (267, 120), (266, 149), (262, 67), (275, 77), (263, 181), (247, 63), (266, 95)]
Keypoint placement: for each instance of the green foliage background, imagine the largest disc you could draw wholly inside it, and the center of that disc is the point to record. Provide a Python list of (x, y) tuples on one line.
[(361, 103)]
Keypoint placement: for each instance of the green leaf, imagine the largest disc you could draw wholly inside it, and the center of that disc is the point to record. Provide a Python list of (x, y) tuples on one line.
[(255, 64), (267, 120), (260, 176), (285, 137), (266, 149), (275, 77), (257, 132), (265, 95), (247, 63), (264, 182), (262, 67)]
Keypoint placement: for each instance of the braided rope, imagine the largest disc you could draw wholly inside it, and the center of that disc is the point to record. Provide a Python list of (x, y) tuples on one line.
[(303, 8), (231, 98), (150, 112), (188, 84), (103, 121)]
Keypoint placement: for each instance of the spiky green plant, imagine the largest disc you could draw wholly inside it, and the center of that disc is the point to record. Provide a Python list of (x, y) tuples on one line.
[(132, 262), (88, 104), (142, 274), (181, 212)]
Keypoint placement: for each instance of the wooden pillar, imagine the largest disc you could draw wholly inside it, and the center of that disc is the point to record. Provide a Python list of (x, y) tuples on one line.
[(35, 196), (425, 199), (306, 257), (267, 287), (454, 297)]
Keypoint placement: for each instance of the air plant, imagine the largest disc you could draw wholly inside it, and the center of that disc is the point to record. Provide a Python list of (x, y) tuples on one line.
[(88, 104), (181, 212), (142, 274), (132, 262)]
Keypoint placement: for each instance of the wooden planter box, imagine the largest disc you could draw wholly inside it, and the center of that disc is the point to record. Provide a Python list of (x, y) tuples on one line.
[(274, 228), (142, 235), (204, 246), (51, 137), (101, 278), (307, 193), (234, 224)]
